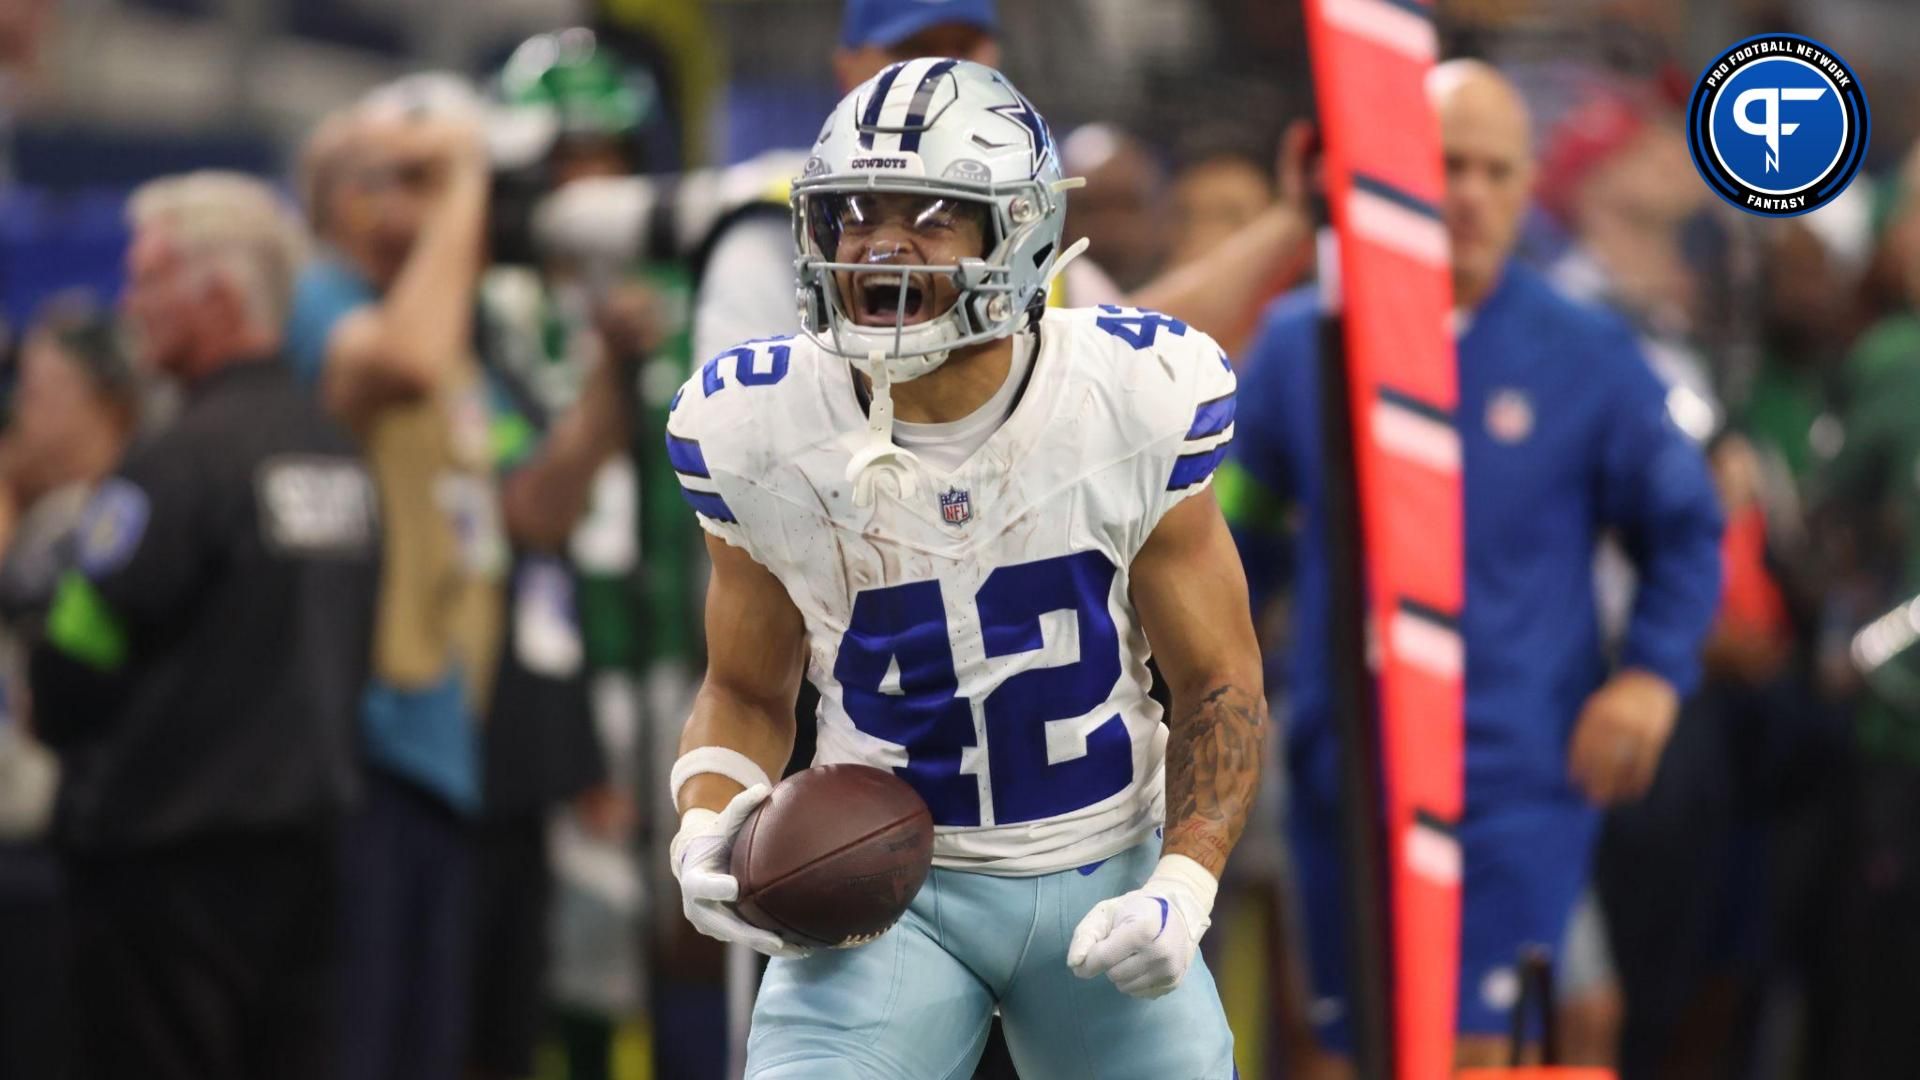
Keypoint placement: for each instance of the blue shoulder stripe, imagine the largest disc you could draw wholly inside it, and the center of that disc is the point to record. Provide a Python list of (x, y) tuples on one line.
[(685, 456), (1212, 417), (709, 504), (1193, 468)]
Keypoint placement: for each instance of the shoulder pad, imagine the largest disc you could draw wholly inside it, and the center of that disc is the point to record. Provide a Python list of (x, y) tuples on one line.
[(739, 416), (1168, 367), (756, 399)]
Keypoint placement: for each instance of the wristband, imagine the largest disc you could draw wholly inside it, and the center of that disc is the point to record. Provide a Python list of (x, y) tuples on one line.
[(719, 760)]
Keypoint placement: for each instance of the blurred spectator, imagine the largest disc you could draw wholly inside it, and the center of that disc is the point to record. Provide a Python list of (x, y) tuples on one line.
[(1224, 191), (1552, 454), (540, 751), (383, 322), (392, 329), (1627, 213), (71, 415), (1683, 871), (543, 350), (1887, 288), (199, 669), (1123, 208), (1608, 175), (637, 620), (875, 33), (1216, 194), (1803, 302), (1873, 950), (69, 419), (1710, 879), (22, 25)]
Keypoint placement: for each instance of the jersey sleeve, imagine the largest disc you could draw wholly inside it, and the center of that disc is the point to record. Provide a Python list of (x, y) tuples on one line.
[(1655, 489), (325, 294), (707, 426), (1198, 427)]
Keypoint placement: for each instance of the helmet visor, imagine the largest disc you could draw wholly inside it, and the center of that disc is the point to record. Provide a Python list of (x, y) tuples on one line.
[(845, 226), (893, 255)]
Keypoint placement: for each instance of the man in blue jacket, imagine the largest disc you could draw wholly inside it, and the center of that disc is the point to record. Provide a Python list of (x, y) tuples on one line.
[(1565, 438)]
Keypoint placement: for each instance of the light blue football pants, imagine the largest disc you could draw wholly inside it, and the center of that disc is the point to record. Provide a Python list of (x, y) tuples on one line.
[(916, 1003)]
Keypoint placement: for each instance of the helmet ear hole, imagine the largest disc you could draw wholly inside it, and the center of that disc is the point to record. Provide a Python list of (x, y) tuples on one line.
[(812, 299)]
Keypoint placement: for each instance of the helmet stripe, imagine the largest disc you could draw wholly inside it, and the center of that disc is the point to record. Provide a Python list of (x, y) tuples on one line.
[(917, 112), (881, 89)]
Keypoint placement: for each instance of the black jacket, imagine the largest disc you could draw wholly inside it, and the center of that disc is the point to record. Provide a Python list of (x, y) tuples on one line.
[(204, 660)]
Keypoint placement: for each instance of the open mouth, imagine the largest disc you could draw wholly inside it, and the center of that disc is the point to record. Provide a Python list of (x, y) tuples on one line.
[(880, 300)]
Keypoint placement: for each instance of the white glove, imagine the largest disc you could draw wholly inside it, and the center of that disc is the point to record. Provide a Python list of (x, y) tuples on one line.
[(700, 854), (1145, 939)]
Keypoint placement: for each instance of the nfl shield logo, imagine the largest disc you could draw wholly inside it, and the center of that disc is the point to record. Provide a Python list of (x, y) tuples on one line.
[(955, 507), (1509, 416)]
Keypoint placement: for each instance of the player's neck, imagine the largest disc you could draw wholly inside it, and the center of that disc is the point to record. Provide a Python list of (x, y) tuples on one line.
[(957, 388)]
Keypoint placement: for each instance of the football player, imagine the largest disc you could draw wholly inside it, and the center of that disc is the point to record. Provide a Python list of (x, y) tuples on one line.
[(969, 520)]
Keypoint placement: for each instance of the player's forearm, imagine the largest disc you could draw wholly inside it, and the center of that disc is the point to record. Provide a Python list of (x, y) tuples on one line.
[(1219, 292), (761, 730), (427, 316), (544, 500), (1214, 754)]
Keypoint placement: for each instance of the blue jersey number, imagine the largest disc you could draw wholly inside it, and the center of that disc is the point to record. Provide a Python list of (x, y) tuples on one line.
[(904, 629), (897, 676), (1138, 327), (744, 368)]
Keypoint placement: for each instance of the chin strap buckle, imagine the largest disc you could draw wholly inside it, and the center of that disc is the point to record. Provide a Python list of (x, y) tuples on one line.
[(880, 460)]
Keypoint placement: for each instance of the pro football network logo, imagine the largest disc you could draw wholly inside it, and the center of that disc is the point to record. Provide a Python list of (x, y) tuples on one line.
[(1778, 125), (955, 507)]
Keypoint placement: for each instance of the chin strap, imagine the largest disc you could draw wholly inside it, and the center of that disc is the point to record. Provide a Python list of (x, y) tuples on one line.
[(880, 459), (1074, 251)]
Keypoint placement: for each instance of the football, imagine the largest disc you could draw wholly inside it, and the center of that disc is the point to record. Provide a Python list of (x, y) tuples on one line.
[(833, 856)]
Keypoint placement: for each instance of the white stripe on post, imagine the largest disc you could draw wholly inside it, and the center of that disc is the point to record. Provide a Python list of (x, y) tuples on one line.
[(1385, 24), (1404, 433), (1433, 854), (1428, 646), (1397, 228)]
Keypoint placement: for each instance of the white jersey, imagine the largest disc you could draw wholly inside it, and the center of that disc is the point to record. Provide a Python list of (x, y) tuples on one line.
[(976, 637)]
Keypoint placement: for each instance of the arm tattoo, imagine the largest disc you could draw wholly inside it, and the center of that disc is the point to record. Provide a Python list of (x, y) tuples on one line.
[(1214, 756)]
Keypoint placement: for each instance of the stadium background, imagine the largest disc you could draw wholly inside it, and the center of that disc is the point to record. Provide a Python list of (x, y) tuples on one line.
[(1769, 321)]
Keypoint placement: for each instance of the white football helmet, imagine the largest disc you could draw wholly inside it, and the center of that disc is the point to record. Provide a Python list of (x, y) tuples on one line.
[(947, 130)]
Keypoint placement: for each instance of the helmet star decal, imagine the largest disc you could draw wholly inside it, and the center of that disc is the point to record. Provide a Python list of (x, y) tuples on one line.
[(1021, 112)]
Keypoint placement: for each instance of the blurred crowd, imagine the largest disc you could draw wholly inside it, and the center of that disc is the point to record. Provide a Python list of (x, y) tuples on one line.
[(348, 614)]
